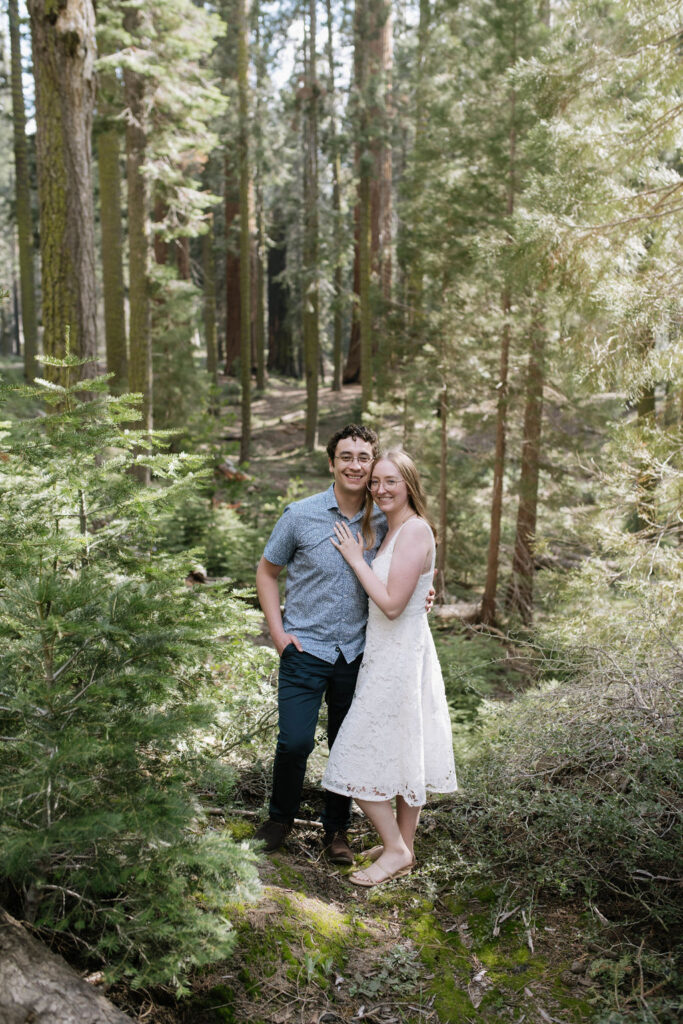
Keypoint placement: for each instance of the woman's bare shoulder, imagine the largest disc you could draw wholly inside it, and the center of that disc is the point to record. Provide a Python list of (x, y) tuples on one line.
[(413, 532)]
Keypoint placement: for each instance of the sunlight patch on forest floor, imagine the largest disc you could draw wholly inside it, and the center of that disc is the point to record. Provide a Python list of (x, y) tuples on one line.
[(429, 948)]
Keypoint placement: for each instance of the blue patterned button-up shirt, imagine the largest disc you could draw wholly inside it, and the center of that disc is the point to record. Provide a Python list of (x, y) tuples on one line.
[(325, 605)]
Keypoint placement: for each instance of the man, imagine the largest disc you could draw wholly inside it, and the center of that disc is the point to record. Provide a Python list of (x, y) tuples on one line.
[(321, 640)]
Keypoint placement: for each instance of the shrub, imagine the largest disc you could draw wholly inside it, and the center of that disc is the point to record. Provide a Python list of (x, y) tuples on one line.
[(578, 786)]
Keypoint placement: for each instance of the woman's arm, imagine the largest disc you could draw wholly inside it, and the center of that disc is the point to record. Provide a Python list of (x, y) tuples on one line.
[(412, 547)]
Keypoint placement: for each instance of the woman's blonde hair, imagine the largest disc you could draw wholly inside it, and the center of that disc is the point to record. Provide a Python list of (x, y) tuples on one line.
[(416, 495)]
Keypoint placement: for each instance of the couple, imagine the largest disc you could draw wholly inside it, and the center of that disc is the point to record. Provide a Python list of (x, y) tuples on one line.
[(395, 740)]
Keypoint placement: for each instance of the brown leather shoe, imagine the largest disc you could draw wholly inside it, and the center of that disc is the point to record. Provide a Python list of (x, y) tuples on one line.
[(272, 834), (337, 848)]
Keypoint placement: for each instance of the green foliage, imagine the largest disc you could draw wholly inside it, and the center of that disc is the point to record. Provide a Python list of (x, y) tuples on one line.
[(578, 787), (109, 696)]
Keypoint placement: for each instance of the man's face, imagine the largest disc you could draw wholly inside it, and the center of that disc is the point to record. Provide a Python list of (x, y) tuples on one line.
[(351, 466)]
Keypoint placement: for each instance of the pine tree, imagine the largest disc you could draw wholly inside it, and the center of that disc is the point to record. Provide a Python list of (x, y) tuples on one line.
[(108, 698)]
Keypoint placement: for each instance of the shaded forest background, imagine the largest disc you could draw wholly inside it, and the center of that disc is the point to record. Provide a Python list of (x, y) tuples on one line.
[(227, 230)]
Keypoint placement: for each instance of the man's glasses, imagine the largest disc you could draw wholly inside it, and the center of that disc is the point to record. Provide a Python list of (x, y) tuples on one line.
[(347, 458)]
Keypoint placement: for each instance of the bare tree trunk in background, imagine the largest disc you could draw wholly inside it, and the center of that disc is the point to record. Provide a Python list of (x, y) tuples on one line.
[(64, 68), (109, 169), (414, 272), (520, 594), (337, 311), (280, 342), (310, 244), (442, 550), (232, 266), (488, 604), (382, 58), (182, 258), (260, 213), (245, 226), (647, 482), (373, 54), (23, 200), (209, 266), (140, 342)]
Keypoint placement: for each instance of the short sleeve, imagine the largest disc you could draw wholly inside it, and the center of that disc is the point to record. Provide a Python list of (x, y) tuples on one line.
[(283, 541)]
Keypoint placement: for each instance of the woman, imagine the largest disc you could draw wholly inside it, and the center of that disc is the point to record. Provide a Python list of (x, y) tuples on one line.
[(396, 738)]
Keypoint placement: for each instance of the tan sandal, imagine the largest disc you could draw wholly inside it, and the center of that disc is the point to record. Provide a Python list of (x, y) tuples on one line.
[(365, 881)]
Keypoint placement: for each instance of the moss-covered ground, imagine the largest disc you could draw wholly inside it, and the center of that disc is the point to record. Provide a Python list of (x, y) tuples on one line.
[(436, 946)]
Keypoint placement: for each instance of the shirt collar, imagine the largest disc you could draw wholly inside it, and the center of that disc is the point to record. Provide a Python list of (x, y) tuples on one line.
[(331, 503)]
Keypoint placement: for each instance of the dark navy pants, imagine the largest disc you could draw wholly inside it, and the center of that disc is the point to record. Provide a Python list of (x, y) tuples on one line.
[(304, 681)]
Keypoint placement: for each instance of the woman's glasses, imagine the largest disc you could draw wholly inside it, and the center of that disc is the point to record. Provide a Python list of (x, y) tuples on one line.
[(389, 484)]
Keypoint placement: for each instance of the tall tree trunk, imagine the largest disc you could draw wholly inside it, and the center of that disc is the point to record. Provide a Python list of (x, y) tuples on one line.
[(109, 167), (260, 254), (280, 341), (381, 56), (23, 201), (414, 271), (310, 246), (182, 258), (442, 550), (337, 312), (232, 265), (364, 272), (140, 361), (373, 51), (245, 224), (521, 591), (646, 409), (63, 62), (488, 604), (209, 266)]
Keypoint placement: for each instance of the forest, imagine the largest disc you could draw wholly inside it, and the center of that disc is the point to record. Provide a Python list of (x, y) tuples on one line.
[(227, 230)]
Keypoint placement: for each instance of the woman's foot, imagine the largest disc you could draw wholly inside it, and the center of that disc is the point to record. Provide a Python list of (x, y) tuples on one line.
[(375, 852), (389, 864)]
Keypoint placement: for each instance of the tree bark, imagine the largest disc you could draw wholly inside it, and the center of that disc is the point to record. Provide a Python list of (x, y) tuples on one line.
[(23, 201), (209, 266), (488, 604), (521, 591), (109, 167), (232, 267), (337, 312), (414, 277), (442, 550), (140, 359), (310, 246), (373, 52), (38, 986), (281, 356), (63, 33), (260, 213), (245, 232)]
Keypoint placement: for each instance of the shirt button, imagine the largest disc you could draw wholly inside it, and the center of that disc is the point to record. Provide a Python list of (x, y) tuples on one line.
[(337, 648)]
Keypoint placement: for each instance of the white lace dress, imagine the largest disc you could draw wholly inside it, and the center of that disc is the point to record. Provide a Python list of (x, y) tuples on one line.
[(396, 737)]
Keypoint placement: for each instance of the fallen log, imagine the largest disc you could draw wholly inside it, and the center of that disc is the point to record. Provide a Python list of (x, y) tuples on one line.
[(39, 986)]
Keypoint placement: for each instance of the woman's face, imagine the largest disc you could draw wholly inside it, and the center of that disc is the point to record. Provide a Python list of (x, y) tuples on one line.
[(387, 486)]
